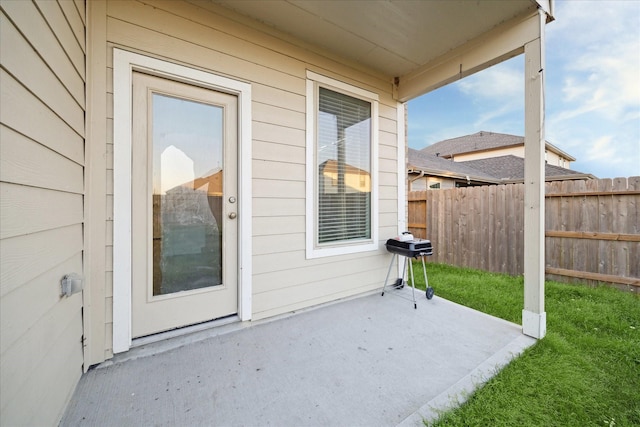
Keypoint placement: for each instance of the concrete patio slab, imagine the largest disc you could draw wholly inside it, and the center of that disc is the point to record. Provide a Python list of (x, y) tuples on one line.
[(367, 361)]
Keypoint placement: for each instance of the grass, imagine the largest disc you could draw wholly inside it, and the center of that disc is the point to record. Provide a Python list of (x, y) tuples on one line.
[(585, 372)]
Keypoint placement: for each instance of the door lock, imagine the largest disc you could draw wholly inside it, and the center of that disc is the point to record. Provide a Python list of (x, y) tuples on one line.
[(232, 199), (233, 215)]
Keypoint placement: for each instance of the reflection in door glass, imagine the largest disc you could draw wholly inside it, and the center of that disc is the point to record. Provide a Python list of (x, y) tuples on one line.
[(187, 165)]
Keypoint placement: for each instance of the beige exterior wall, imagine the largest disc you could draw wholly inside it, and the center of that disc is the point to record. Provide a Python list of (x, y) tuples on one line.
[(41, 208), (551, 157), (426, 182), (206, 37), (513, 151), (556, 160)]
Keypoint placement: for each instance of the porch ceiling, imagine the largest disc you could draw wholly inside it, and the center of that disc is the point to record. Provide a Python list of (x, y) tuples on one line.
[(393, 37)]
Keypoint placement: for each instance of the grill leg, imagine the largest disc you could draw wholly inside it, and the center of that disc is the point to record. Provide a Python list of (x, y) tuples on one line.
[(393, 258), (413, 283), (428, 289), (424, 270)]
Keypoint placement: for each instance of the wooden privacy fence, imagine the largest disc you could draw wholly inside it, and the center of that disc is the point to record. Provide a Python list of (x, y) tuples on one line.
[(592, 228)]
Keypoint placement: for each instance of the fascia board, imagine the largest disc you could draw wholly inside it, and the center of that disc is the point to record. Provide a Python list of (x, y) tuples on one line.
[(454, 175), (556, 150)]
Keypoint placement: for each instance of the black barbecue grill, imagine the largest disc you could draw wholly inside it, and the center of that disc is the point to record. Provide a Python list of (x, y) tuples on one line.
[(413, 248)]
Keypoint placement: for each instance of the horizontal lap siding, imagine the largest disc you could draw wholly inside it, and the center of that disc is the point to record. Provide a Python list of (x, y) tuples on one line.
[(284, 280), (206, 37), (41, 206)]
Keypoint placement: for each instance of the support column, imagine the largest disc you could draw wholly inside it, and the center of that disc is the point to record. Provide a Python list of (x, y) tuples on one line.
[(534, 318)]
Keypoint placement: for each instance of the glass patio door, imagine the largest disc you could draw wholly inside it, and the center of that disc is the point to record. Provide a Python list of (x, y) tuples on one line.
[(184, 208)]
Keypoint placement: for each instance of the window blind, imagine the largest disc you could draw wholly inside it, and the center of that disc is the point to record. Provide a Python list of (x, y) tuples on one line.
[(343, 167)]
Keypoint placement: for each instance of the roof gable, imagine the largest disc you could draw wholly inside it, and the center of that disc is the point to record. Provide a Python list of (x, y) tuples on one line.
[(482, 141), (479, 141)]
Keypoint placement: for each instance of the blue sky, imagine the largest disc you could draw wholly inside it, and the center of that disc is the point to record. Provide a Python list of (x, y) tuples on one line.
[(592, 91)]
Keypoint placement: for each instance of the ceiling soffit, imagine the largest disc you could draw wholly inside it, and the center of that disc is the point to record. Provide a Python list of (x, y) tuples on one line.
[(395, 38)]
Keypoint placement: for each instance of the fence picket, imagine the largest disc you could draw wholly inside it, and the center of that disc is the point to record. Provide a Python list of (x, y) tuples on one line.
[(482, 227), (604, 218), (619, 252), (492, 265), (592, 206), (633, 226)]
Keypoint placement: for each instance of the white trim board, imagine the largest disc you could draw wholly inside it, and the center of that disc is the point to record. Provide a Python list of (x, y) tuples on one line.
[(124, 63), (402, 169), (402, 174)]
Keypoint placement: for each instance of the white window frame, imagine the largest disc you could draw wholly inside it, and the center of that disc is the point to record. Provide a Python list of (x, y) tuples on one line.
[(313, 250), (124, 63)]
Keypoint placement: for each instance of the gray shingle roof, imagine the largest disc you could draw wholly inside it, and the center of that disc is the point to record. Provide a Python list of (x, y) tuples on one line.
[(468, 143), (439, 166), (480, 141), (511, 168), (491, 170)]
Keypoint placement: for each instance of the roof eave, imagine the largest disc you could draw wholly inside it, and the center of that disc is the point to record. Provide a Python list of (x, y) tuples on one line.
[(502, 147), (452, 175), (556, 150), (570, 177), (548, 145)]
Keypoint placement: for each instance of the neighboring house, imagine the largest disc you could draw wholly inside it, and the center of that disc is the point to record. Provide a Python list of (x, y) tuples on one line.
[(106, 106), (334, 176), (483, 145), (483, 158), (428, 171)]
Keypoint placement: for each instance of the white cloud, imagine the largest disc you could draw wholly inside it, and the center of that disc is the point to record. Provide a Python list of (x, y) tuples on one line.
[(498, 91), (592, 22), (593, 91), (609, 84), (503, 82), (609, 156), (488, 117), (448, 132), (602, 149), (601, 53)]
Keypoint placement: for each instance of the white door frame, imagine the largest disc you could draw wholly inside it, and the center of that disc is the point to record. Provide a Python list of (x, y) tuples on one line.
[(124, 63)]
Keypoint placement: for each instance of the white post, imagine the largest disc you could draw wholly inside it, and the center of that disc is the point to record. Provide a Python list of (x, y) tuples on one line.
[(534, 318)]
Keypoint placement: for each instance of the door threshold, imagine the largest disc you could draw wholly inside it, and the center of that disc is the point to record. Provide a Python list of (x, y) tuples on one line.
[(175, 338), (185, 330)]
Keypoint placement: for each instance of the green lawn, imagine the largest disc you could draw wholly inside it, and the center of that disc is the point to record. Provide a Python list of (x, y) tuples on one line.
[(585, 372)]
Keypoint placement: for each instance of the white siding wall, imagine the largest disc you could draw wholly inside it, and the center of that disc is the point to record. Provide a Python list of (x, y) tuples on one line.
[(550, 157), (41, 206), (514, 151), (207, 37), (425, 183), (556, 160)]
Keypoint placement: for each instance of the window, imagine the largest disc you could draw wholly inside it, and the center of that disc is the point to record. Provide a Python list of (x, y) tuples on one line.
[(341, 168), (343, 153)]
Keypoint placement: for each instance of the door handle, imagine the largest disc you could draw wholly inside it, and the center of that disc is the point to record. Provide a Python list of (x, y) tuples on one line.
[(233, 215)]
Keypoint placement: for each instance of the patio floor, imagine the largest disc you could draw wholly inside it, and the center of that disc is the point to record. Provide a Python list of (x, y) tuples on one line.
[(370, 361)]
